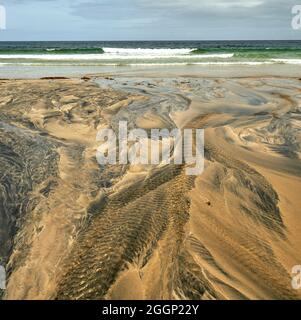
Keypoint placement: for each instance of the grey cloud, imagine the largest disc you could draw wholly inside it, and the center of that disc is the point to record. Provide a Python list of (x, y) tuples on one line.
[(186, 19), (215, 12)]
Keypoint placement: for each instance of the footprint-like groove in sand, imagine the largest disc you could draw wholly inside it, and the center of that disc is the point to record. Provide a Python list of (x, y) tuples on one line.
[(75, 230)]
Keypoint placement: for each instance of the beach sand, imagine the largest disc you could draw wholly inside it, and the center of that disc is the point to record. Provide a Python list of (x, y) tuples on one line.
[(72, 229)]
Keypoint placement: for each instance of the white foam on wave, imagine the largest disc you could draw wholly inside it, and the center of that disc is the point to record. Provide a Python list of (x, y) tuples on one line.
[(135, 57), (217, 63), (146, 52), (287, 61), (137, 54), (120, 54), (51, 57)]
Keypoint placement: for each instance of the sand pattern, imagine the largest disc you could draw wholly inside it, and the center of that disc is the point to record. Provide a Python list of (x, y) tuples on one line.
[(72, 229)]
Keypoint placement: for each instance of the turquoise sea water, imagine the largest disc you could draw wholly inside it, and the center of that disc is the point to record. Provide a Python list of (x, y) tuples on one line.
[(150, 53)]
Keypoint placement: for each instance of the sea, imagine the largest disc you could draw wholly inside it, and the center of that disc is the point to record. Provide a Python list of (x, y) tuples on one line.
[(141, 53)]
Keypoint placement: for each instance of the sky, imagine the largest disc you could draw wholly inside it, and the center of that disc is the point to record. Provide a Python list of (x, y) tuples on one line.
[(148, 20)]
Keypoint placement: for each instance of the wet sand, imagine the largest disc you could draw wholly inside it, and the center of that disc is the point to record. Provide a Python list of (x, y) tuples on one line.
[(71, 229), (152, 71)]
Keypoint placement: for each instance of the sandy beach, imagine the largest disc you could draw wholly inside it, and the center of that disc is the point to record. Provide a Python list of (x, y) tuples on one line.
[(76, 230)]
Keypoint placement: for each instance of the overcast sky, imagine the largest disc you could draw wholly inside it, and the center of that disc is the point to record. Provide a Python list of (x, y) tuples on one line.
[(148, 19)]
